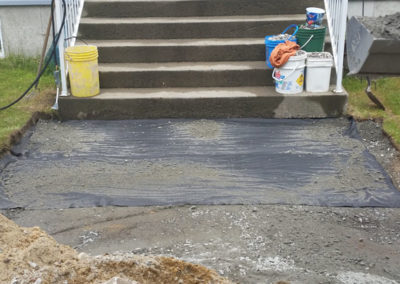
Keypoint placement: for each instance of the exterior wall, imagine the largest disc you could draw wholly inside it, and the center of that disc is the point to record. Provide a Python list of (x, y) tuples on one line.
[(24, 29), (373, 8)]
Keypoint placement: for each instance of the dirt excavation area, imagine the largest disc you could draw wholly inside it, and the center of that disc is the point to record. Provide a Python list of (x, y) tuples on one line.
[(29, 255), (224, 201), (245, 243)]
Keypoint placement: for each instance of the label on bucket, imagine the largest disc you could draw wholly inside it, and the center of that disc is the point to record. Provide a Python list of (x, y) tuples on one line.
[(300, 80)]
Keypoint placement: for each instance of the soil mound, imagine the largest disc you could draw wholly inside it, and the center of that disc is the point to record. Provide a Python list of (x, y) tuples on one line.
[(384, 27), (29, 255)]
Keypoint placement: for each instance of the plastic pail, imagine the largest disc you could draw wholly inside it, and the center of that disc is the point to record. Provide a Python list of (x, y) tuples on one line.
[(271, 44), (314, 16), (319, 66), (311, 40), (83, 70), (289, 78)]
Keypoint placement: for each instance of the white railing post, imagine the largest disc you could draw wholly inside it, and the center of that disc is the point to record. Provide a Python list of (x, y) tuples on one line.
[(61, 46), (68, 36), (341, 45), (336, 11)]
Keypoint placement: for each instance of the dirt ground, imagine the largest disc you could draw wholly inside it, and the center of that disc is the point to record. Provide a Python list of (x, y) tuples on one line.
[(29, 255), (246, 243), (384, 27)]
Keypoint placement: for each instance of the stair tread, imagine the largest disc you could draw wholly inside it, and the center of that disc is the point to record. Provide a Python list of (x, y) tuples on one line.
[(182, 66), (194, 93), (213, 19), (177, 42)]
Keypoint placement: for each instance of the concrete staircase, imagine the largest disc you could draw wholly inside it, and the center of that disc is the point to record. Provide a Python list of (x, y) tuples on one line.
[(192, 59)]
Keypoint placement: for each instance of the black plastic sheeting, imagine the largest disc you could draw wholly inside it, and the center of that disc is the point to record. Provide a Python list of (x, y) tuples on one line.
[(170, 162)]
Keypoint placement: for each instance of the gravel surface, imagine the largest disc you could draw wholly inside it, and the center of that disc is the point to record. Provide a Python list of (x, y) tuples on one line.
[(247, 244), (281, 37), (381, 147), (169, 162)]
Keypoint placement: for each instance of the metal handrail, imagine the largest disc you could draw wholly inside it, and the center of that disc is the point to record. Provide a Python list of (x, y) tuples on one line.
[(336, 11), (69, 34)]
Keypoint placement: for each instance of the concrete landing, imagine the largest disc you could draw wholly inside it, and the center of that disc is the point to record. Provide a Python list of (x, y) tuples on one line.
[(250, 102)]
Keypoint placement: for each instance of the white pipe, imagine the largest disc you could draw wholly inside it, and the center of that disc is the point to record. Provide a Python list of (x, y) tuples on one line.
[(59, 15), (341, 44)]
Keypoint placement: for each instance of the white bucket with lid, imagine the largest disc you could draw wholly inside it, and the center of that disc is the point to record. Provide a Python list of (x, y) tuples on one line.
[(289, 78), (319, 66)]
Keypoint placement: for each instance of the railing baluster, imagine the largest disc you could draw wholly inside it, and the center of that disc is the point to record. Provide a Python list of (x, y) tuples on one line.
[(336, 11), (67, 38)]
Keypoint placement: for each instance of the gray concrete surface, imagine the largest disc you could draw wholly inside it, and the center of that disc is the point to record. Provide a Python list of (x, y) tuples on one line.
[(182, 50), (191, 27), (24, 29), (195, 45), (248, 49), (185, 74), (117, 9), (202, 103)]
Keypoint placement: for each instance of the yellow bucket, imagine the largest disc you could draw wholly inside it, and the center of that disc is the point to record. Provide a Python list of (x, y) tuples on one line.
[(83, 70)]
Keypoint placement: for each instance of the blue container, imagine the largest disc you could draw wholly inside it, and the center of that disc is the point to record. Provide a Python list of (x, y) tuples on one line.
[(271, 44)]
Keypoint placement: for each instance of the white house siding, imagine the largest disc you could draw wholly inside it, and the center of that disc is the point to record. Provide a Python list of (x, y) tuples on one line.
[(24, 26), (373, 8)]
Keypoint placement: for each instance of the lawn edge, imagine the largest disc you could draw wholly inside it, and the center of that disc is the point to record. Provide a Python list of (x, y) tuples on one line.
[(16, 136)]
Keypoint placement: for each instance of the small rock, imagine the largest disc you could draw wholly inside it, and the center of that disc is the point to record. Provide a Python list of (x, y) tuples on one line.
[(33, 265), (193, 208), (82, 255)]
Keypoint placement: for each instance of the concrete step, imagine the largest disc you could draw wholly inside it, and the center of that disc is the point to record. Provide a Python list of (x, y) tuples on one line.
[(202, 103), (183, 50), (124, 51), (185, 74), (190, 8), (185, 27)]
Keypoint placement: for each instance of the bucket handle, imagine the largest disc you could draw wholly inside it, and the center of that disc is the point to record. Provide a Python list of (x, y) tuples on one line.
[(290, 74), (289, 27), (307, 42), (75, 37)]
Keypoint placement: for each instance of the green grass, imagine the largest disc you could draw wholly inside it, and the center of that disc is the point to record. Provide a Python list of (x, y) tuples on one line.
[(388, 92), (16, 74)]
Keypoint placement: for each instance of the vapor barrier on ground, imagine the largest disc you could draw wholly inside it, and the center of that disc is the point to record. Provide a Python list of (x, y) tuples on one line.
[(170, 162)]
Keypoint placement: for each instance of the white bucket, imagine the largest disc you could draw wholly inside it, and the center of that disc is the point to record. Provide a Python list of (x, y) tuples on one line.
[(319, 66), (289, 78)]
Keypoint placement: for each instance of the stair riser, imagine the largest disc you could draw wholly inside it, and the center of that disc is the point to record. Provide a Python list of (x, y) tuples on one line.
[(272, 106), (256, 29), (160, 79), (197, 8), (150, 54)]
